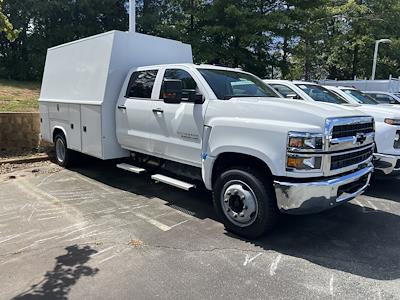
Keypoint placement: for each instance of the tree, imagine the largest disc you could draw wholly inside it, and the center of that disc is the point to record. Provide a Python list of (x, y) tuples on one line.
[(6, 26)]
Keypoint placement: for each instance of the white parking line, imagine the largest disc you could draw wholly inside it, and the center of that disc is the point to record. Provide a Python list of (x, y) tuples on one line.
[(102, 251), (156, 223), (249, 260), (113, 256), (180, 223), (274, 265), (372, 205)]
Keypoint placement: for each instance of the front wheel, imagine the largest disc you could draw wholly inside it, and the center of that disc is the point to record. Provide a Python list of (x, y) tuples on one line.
[(245, 202)]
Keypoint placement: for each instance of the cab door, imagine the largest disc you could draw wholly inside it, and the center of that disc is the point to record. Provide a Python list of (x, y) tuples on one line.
[(134, 110), (176, 129)]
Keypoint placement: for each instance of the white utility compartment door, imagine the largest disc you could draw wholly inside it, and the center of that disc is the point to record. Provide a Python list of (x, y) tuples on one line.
[(74, 130), (44, 122), (91, 130)]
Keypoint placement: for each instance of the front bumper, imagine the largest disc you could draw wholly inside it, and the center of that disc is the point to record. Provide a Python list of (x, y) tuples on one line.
[(387, 164), (313, 197)]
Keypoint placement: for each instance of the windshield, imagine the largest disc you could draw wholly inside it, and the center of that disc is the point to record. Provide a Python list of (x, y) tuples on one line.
[(383, 98), (360, 97), (230, 84), (321, 94)]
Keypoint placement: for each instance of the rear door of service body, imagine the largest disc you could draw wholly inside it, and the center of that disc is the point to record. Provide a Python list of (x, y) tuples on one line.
[(133, 111), (176, 129)]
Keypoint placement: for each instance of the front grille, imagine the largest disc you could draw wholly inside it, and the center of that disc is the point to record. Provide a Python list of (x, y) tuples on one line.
[(341, 131), (350, 159)]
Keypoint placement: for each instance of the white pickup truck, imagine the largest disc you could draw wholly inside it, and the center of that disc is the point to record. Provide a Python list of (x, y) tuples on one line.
[(108, 96), (387, 125), (387, 117)]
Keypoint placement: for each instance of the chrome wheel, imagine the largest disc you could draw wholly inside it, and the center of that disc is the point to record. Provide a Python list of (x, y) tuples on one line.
[(60, 150), (239, 203)]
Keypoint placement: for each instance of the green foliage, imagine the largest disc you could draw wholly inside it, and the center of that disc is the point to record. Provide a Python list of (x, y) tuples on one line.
[(290, 39), (6, 26)]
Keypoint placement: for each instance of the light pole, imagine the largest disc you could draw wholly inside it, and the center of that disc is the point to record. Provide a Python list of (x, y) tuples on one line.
[(377, 42), (132, 15)]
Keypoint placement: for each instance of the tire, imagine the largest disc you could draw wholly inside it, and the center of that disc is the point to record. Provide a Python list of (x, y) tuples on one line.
[(63, 154), (245, 202)]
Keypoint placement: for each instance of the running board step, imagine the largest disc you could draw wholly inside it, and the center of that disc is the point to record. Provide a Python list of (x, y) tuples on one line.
[(131, 168), (172, 181)]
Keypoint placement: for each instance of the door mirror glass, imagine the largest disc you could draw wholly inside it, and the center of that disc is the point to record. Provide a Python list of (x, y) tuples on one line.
[(172, 91)]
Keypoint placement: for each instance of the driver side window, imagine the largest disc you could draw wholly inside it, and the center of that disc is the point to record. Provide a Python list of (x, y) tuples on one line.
[(188, 83)]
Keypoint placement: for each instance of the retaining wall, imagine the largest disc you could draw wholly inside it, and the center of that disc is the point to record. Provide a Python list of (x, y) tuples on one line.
[(19, 131)]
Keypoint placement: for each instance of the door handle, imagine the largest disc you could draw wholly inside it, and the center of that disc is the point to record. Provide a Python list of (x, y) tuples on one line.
[(121, 107), (158, 111)]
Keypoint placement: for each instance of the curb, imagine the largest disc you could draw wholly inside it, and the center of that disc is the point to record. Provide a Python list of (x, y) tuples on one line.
[(29, 159)]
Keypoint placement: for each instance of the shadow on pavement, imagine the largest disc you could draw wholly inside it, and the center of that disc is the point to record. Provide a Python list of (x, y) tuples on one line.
[(349, 238), (385, 188), (68, 270), (197, 203)]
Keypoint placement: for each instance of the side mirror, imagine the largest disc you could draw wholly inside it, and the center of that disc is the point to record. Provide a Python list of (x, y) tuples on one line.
[(172, 91), (292, 96), (196, 98)]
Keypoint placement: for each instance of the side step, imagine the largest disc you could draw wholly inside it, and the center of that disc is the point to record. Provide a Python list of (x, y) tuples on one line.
[(172, 181), (131, 168)]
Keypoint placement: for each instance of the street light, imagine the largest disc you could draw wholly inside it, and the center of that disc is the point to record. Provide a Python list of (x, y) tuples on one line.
[(132, 15), (377, 42)]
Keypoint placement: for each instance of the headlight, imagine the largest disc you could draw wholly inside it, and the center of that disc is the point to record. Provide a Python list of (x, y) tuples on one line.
[(305, 142), (395, 122), (303, 163)]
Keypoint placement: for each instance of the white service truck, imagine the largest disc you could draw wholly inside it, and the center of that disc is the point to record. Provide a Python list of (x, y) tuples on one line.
[(138, 97)]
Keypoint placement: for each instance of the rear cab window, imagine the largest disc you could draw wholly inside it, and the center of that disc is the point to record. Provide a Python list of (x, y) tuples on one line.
[(141, 84)]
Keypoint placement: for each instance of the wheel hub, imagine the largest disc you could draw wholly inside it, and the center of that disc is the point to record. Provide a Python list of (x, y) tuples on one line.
[(239, 203), (60, 150)]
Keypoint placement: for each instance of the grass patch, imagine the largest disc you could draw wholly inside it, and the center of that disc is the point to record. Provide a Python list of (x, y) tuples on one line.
[(19, 96)]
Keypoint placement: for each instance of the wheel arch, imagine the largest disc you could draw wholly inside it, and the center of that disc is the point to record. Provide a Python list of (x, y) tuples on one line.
[(57, 130), (229, 159)]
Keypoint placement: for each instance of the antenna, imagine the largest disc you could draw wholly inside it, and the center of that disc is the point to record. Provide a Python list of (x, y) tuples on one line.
[(132, 15)]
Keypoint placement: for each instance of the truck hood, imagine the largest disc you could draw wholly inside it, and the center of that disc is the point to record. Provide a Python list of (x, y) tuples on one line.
[(295, 114), (380, 112)]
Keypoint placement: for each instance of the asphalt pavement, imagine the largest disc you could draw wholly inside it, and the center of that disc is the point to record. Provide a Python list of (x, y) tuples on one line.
[(97, 232)]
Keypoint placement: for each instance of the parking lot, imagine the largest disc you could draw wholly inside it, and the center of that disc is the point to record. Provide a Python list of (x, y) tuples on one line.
[(100, 232)]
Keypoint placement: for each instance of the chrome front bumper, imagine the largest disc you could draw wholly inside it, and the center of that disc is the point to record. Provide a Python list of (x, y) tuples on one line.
[(387, 164), (313, 197)]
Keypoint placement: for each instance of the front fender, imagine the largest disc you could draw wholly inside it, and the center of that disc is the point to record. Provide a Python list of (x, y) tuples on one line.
[(250, 139)]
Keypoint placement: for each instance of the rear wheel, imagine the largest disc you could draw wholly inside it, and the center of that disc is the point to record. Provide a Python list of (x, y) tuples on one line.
[(245, 202), (63, 154)]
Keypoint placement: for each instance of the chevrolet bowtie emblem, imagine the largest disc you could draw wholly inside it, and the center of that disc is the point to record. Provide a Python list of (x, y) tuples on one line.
[(360, 138)]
